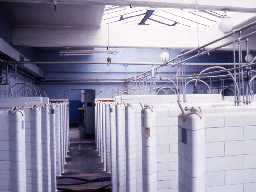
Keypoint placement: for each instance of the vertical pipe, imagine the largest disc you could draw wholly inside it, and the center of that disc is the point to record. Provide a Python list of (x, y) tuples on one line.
[(149, 152), (241, 70), (114, 160), (34, 149), (17, 149), (108, 136), (104, 154), (53, 146), (121, 147), (248, 99), (237, 97), (46, 158), (96, 125), (191, 153), (57, 139)]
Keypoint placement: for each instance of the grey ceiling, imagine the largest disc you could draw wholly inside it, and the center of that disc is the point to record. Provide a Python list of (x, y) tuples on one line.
[(44, 15)]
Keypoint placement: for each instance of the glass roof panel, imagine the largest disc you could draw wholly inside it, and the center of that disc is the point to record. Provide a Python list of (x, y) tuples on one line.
[(170, 17)]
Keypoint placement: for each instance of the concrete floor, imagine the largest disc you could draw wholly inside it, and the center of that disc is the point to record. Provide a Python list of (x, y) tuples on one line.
[(84, 167)]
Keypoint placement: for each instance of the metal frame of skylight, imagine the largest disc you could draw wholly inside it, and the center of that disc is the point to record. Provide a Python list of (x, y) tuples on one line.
[(204, 17), (168, 19), (163, 23), (111, 7), (185, 18), (124, 14), (120, 9), (214, 13), (126, 18)]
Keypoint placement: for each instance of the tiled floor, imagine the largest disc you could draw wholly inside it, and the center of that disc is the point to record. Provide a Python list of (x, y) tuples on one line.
[(83, 172)]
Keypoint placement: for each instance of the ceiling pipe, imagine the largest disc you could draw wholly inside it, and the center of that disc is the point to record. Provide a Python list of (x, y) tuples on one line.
[(119, 63), (202, 49)]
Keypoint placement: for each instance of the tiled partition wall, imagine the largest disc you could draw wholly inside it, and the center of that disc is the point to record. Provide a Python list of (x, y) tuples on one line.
[(134, 147), (217, 150), (161, 145), (144, 140), (28, 144)]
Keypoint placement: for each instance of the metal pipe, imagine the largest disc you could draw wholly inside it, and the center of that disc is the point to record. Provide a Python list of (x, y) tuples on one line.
[(199, 49), (234, 60), (206, 84), (112, 63), (170, 88), (213, 49), (210, 74), (222, 68)]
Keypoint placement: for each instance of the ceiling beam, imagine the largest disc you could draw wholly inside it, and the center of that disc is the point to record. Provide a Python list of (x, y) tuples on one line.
[(119, 37), (146, 17), (120, 63), (217, 5)]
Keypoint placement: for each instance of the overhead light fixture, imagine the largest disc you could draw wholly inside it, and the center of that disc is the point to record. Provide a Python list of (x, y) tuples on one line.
[(226, 24), (54, 5), (248, 58), (109, 60), (85, 52), (165, 56)]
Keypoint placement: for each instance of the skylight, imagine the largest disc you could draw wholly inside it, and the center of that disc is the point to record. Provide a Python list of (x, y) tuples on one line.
[(169, 17)]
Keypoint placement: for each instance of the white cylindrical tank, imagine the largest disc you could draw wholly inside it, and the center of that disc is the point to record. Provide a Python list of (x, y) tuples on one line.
[(149, 152), (121, 147), (103, 153), (108, 139), (114, 171), (100, 131), (34, 149), (47, 159), (58, 140), (12, 147), (52, 116), (192, 152), (96, 116)]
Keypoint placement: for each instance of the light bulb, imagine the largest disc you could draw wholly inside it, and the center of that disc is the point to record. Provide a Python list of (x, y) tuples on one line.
[(165, 56), (248, 58), (226, 24)]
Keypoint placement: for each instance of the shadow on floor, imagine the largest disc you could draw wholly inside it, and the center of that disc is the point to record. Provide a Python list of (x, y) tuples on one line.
[(83, 171)]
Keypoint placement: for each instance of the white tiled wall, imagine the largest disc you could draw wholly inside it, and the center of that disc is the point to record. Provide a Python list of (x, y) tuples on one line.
[(31, 145), (134, 148), (229, 150), (161, 145)]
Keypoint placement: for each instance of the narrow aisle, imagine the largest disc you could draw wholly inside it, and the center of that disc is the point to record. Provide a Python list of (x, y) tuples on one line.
[(83, 171)]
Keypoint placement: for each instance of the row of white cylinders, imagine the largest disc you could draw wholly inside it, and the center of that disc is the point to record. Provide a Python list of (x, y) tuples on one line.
[(137, 140), (33, 143)]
